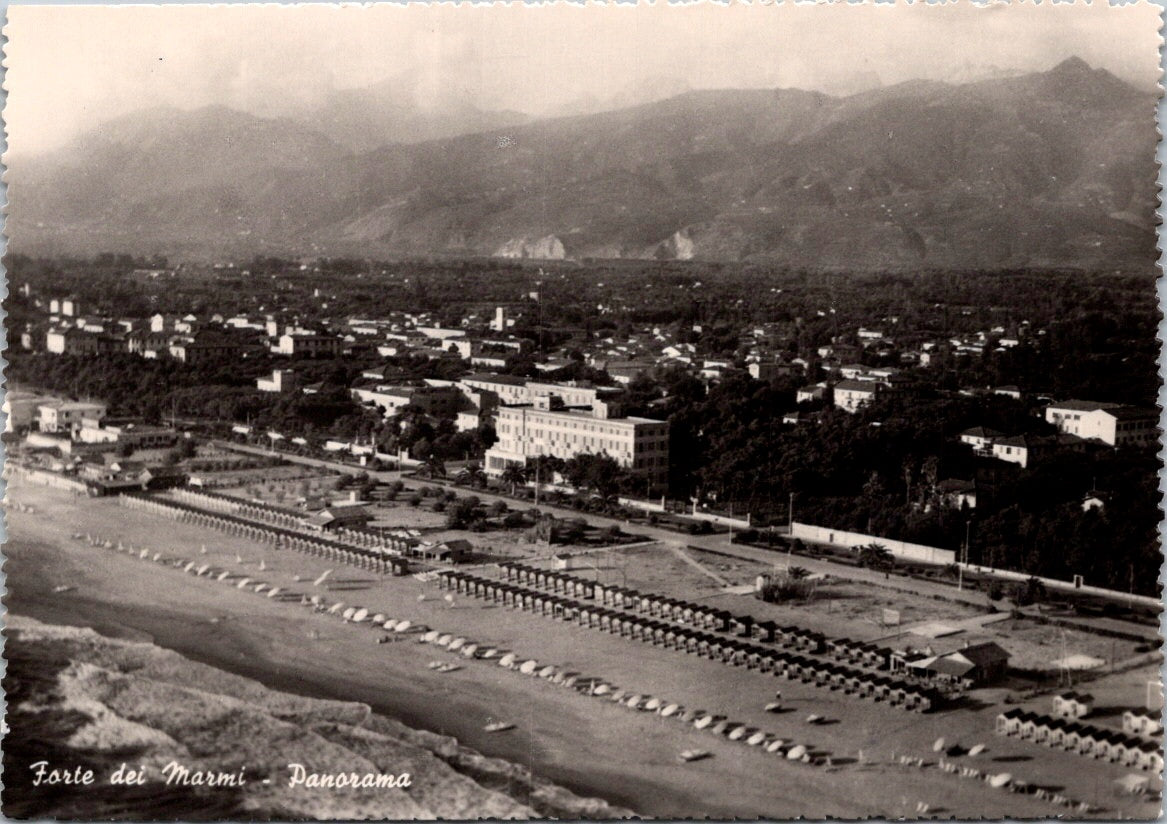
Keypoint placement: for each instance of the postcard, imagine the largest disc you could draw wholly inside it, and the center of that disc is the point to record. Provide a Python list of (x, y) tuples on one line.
[(582, 411)]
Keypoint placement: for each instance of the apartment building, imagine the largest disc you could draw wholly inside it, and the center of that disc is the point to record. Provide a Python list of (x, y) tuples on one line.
[(67, 416), (1110, 423)]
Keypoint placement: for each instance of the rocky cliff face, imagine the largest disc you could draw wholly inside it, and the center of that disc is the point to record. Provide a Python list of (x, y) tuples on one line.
[(544, 248)]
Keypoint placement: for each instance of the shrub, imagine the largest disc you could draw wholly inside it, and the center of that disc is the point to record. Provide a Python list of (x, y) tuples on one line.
[(415, 499)]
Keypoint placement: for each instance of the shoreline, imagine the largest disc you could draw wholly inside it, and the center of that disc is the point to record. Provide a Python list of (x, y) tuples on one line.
[(592, 748), (242, 656), (267, 673)]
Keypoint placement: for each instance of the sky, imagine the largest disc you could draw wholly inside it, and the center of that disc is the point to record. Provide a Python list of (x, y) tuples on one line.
[(69, 68)]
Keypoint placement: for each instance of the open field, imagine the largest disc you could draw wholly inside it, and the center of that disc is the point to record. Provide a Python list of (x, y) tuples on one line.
[(592, 747)]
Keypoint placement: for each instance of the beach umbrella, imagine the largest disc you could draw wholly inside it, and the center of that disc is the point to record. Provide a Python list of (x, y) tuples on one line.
[(508, 660), (223, 575), (202, 569), (775, 745), (323, 576), (403, 626), (335, 608), (430, 636), (491, 652), (703, 722), (720, 727), (189, 566), (634, 701), (1000, 780), (389, 624), (273, 592), (601, 689), (145, 553), (652, 704), (670, 710), (469, 650), (260, 587), (547, 671), (938, 745), (529, 666), (737, 732), (796, 752), (262, 565), (243, 582), (348, 613), (315, 600), (379, 618), (618, 696), (360, 615), (976, 750), (157, 556), (444, 640), (756, 739)]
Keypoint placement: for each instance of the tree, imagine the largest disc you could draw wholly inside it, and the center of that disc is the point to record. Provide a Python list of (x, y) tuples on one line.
[(472, 475), (515, 475), (434, 467), (876, 556), (1032, 591), (462, 512)]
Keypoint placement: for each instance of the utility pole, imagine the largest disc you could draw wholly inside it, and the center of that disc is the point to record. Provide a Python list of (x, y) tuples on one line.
[(964, 557)]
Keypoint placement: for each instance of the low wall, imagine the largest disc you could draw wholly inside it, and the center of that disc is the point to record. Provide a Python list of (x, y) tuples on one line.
[(1067, 586), (644, 506), (720, 520), (52, 479), (900, 549), (935, 555)]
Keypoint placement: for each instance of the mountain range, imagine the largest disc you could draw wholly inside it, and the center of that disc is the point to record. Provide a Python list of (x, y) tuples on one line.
[(1053, 168)]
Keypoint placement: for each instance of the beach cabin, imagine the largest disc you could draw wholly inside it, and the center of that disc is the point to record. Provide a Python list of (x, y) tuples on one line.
[(1142, 722), (1027, 728), (1073, 704), (1150, 757), (1072, 736), (1092, 742)]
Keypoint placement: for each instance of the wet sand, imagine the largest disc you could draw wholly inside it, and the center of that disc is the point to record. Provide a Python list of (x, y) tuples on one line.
[(591, 747)]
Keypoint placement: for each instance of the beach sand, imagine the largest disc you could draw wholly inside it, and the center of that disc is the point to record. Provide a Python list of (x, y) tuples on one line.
[(593, 748)]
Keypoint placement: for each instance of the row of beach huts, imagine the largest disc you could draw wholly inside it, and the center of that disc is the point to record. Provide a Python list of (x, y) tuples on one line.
[(361, 557), (693, 640), (861, 653), (1087, 740)]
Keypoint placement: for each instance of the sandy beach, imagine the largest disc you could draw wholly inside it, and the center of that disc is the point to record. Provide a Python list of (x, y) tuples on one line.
[(592, 748)]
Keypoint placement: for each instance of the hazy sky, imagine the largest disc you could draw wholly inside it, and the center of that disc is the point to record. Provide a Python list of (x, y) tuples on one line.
[(71, 67)]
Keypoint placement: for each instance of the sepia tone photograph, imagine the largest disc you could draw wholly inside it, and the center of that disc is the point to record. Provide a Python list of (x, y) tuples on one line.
[(585, 412)]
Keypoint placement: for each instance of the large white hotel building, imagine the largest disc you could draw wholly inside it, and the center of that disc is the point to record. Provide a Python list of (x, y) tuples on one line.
[(545, 422)]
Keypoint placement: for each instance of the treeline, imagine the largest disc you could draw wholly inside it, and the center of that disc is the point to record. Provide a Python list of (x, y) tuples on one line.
[(880, 472)]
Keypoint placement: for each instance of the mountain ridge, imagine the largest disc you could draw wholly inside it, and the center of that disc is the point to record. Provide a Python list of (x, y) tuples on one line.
[(1049, 168)]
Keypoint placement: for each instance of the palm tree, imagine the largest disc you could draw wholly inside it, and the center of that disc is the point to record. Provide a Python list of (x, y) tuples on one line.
[(876, 556), (797, 573), (514, 474)]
